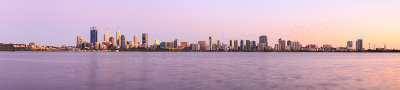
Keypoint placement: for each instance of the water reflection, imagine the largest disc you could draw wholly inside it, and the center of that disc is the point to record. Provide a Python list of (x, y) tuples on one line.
[(199, 71)]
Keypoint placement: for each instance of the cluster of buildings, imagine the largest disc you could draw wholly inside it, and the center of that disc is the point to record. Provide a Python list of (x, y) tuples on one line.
[(27, 47), (120, 42)]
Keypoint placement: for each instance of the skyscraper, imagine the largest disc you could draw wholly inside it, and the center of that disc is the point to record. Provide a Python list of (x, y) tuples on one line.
[(282, 43), (176, 43), (289, 43), (135, 39), (111, 40), (218, 44), (253, 45), (236, 44), (118, 37), (78, 40), (123, 41), (211, 42), (248, 45), (93, 34), (349, 44), (231, 43), (359, 45), (157, 42), (106, 37), (242, 45), (145, 40), (263, 39)]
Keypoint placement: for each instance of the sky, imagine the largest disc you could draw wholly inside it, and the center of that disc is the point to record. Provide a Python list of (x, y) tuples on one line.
[(334, 22)]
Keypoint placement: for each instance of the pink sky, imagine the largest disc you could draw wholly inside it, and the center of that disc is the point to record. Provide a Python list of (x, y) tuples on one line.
[(54, 22)]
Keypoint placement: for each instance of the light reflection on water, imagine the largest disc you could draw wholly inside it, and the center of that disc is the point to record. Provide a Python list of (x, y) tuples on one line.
[(198, 71)]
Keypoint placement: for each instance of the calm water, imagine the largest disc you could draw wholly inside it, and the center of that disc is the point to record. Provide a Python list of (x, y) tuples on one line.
[(198, 71)]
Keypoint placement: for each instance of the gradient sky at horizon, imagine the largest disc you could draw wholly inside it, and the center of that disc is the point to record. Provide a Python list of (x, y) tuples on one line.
[(58, 22)]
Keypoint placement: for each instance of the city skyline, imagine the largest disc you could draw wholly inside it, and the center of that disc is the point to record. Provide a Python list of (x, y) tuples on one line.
[(312, 22), (251, 45)]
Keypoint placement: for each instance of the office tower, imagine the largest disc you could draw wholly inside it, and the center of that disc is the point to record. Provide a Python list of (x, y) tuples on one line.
[(135, 39), (170, 44), (106, 37), (176, 43), (123, 41), (111, 40), (184, 44), (211, 42), (157, 42), (253, 45), (218, 44), (263, 39), (93, 34), (231, 43), (289, 43), (235, 43), (349, 44), (78, 40), (203, 45), (163, 45), (261, 46), (282, 43), (242, 45), (248, 45), (278, 47), (145, 40), (296, 46), (225, 47), (359, 45), (195, 47), (118, 38), (96, 45)]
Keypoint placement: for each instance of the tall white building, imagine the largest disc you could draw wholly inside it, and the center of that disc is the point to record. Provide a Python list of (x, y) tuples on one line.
[(135, 39), (118, 37), (106, 37)]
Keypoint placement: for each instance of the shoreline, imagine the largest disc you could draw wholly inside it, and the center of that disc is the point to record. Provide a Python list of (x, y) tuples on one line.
[(230, 51)]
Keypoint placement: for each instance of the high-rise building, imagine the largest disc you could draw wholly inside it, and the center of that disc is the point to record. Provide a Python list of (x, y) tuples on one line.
[(78, 40), (236, 44), (195, 47), (278, 47), (242, 45), (263, 39), (163, 45), (248, 45), (145, 40), (118, 37), (123, 41), (176, 43), (203, 45), (224, 47), (218, 44), (231, 43), (359, 45), (93, 34), (253, 45), (106, 37), (184, 44), (289, 43), (111, 40), (157, 42), (135, 39), (282, 43), (211, 42), (349, 44)]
